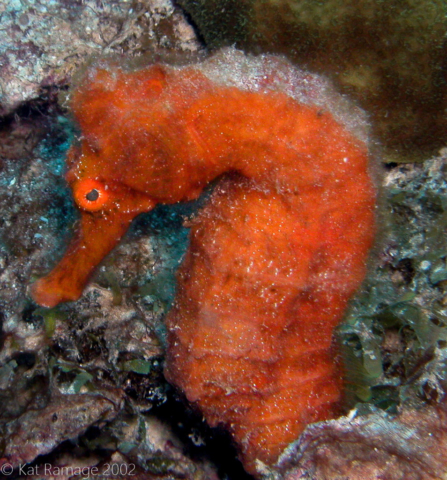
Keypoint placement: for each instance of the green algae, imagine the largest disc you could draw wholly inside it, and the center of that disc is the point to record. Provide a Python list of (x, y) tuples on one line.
[(395, 336)]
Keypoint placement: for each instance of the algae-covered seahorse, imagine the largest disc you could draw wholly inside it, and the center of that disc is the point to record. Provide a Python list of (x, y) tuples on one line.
[(274, 256)]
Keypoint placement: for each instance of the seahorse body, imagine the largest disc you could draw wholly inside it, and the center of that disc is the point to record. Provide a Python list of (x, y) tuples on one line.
[(274, 256)]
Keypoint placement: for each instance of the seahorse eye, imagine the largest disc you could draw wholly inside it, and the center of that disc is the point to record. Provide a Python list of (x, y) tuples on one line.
[(90, 195)]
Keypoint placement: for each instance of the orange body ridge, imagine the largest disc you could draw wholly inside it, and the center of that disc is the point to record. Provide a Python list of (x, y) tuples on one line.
[(274, 256)]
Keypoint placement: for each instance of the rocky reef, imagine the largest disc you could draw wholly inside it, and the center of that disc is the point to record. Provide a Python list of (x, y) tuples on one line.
[(81, 385)]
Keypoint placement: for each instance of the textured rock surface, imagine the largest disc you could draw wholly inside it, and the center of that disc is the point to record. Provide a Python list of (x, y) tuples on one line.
[(43, 42), (411, 446)]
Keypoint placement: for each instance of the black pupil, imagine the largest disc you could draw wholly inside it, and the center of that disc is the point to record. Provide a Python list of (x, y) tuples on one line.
[(92, 196)]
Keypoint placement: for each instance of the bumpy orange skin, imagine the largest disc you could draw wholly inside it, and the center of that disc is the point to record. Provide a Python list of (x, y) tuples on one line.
[(274, 256)]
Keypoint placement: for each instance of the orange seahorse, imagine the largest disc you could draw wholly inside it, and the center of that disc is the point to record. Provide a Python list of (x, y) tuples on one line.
[(274, 256)]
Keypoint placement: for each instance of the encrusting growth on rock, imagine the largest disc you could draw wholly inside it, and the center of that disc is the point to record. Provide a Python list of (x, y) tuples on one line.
[(274, 256)]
